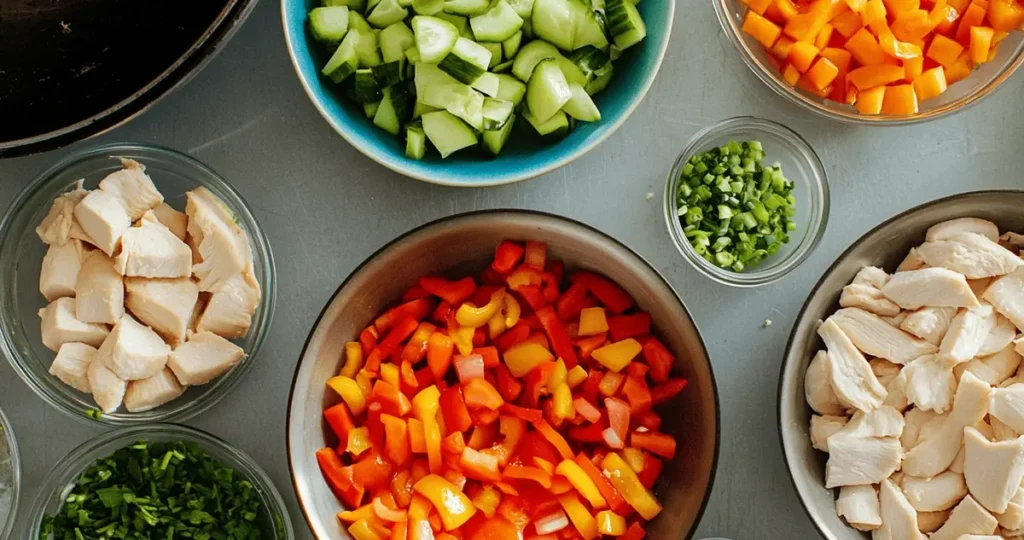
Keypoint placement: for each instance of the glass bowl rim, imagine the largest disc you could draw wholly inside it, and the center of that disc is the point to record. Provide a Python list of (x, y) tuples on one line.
[(819, 211), (15, 461), (798, 98), (207, 177), (69, 467)]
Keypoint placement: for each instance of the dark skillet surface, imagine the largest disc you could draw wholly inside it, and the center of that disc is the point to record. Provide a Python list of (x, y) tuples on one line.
[(68, 62)]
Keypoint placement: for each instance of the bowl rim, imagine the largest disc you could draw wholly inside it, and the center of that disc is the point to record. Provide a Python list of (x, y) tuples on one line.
[(369, 150), (257, 236), (788, 357), (15, 461), (806, 103), (440, 222)]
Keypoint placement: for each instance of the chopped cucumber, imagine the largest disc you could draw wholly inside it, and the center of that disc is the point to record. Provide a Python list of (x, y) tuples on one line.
[(497, 24), (466, 7), (344, 61), (394, 40), (601, 79), (614, 52), (447, 133), (438, 89), (370, 4), (493, 141), (389, 73), (427, 7), (386, 13), (495, 49), (371, 109), (547, 91), (394, 109), (357, 22), (523, 8), (460, 22), (412, 54), (488, 84), (503, 67), (556, 127), (435, 38), (354, 5), (579, 106), (511, 45), (625, 23), (364, 87), (510, 89), (468, 105), (555, 21), (329, 24), (496, 112), (419, 109), (366, 46), (466, 62), (535, 51), (589, 59), (405, 3), (589, 29), (415, 141)]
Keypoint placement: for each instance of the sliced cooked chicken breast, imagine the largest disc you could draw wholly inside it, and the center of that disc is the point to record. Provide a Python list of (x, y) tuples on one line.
[(934, 454), (869, 299), (152, 392), (896, 320), (134, 351), (132, 188), (849, 372), (204, 357), (912, 261), (1006, 294), (930, 323), (948, 229), (818, 387), (929, 287), (60, 326), (855, 461), (107, 388), (1000, 337), (929, 383), (881, 422), (1013, 517), (1018, 345), (993, 470), (60, 270), (103, 219), (968, 517), (872, 276), (175, 221), (930, 522), (941, 492), (55, 229), (823, 427), (229, 311), (970, 254), (1012, 240), (914, 420), (875, 337), (223, 246), (71, 365), (859, 505), (979, 286), (99, 291), (993, 369), (1007, 405), (899, 520), (967, 334), (151, 250), (986, 430), (165, 305)]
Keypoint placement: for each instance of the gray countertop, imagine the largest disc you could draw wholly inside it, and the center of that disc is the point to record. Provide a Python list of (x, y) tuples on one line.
[(325, 207)]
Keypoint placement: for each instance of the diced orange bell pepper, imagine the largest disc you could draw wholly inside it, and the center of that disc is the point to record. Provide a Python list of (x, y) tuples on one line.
[(338, 479), (506, 256), (585, 409), (420, 529), (848, 23), (900, 100), (557, 334), (417, 439), (439, 354), (479, 466), (658, 358), (1005, 15), (874, 10), (454, 443), (610, 294), (781, 11), (791, 74), (425, 406), (579, 516), (400, 531), (870, 101), (386, 513), (417, 309), (974, 16), (453, 292), (981, 44), (635, 532), (865, 48), (526, 472), (660, 444), (483, 436), (824, 37), (868, 77), (364, 529), (555, 438), (758, 6), (960, 70), (822, 73), (486, 499), (616, 356), (453, 408), (340, 421), (945, 51), (416, 349), (371, 471), (523, 358), (452, 505), (358, 441), (638, 395), (393, 401), (479, 394), (399, 333), (802, 55), (401, 488), (497, 528), (627, 483), (396, 437), (931, 83), (893, 47), (527, 414)]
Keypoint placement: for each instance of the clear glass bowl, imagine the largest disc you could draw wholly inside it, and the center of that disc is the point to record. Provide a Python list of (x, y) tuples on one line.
[(10, 474), (21, 255), (980, 84), (58, 484), (799, 163)]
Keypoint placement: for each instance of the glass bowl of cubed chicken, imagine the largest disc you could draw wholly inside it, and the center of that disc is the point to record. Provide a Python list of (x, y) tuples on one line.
[(136, 285), (901, 398)]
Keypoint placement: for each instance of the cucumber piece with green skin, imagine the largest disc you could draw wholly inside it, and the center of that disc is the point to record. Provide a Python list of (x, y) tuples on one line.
[(535, 51), (467, 104), (394, 40), (419, 109), (527, 29), (497, 24), (357, 22), (460, 22), (412, 54), (511, 45), (366, 46), (364, 88), (555, 127), (487, 84), (393, 110), (466, 62), (589, 59), (600, 79), (523, 8), (353, 5), (494, 141), (370, 4), (589, 30), (405, 3), (344, 61), (447, 133), (428, 7), (547, 90), (371, 109), (386, 13), (438, 89), (614, 52), (389, 73), (329, 24), (579, 106), (415, 141), (467, 7), (503, 67), (435, 38), (510, 89), (495, 49), (554, 21), (625, 23), (496, 112)]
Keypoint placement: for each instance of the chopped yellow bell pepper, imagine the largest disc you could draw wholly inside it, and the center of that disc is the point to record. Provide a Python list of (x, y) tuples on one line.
[(522, 358), (592, 321), (511, 310), (463, 339), (424, 407), (616, 356), (610, 523), (475, 317), (389, 373), (350, 393), (365, 530), (363, 512), (419, 507), (582, 482), (358, 441), (452, 505), (487, 499), (579, 515), (561, 402), (635, 458), (558, 375), (353, 359), (576, 376), (626, 481), (365, 382), (496, 325)]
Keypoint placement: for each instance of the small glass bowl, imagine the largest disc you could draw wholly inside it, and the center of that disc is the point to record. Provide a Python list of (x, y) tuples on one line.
[(799, 164), (980, 84), (21, 256), (54, 489), (13, 464)]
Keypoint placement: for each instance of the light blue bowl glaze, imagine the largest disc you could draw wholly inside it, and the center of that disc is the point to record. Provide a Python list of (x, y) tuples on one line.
[(523, 157)]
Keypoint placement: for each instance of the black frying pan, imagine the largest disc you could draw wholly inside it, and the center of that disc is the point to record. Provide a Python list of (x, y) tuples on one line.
[(72, 68)]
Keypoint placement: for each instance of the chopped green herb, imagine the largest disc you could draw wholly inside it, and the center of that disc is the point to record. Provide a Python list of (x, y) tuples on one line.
[(735, 211), (95, 414), (160, 490)]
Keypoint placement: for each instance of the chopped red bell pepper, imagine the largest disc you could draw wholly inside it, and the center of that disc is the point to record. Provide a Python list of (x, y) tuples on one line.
[(416, 349), (650, 420), (368, 339), (589, 344), (532, 295), (586, 409), (374, 424), (414, 292), (527, 414), (658, 358), (637, 394), (559, 337), (536, 383), (394, 402), (483, 417), (668, 390), (635, 532), (652, 470), (338, 479), (615, 500), (479, 394), (453, 409), (637, 370), (592, 386), (442, 313), (618, 416), (401, 488), (571, 303), (340, 420), (533, 445), (399, 333), (536, 254), (508, 386), (479, 337), (408, 378), (372, 471), (615, 298), (491, 276), (556, 269), (591, 433), (555, 438), (539, 338), (489, 355), (512, 337), (417, 309), (506, 256), (549, 287), (661, 444), (627, 326), (453, 292), (524, 472)]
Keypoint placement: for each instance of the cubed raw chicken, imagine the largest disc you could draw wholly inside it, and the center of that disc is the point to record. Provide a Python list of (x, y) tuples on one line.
[(941, 492), (930, 323), (850, 374), (99, 291), (60, 269), (967, 334), (107, 388), (103, 219), (229, 310), (132, 188), (223, 245), (174, 220), (947, 229), (60, 326), (1006, 294), (152, 392), (935, 453), (968, 517), (203, 358), (55, 229), (877, 338), (165, 305), (993, 470), (972, 255), (934, 287), (859, 505), (71, 365), (151, 250), (899, 519), (134, 351)]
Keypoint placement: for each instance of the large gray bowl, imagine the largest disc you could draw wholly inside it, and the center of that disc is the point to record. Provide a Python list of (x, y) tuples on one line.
[(465, 243), (884, 246)]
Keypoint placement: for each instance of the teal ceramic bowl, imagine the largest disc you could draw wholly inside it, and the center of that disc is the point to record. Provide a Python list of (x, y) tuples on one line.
[(523, 157)]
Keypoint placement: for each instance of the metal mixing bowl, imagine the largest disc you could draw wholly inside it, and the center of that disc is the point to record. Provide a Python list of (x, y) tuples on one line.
[(884, 246), (464, 244)]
